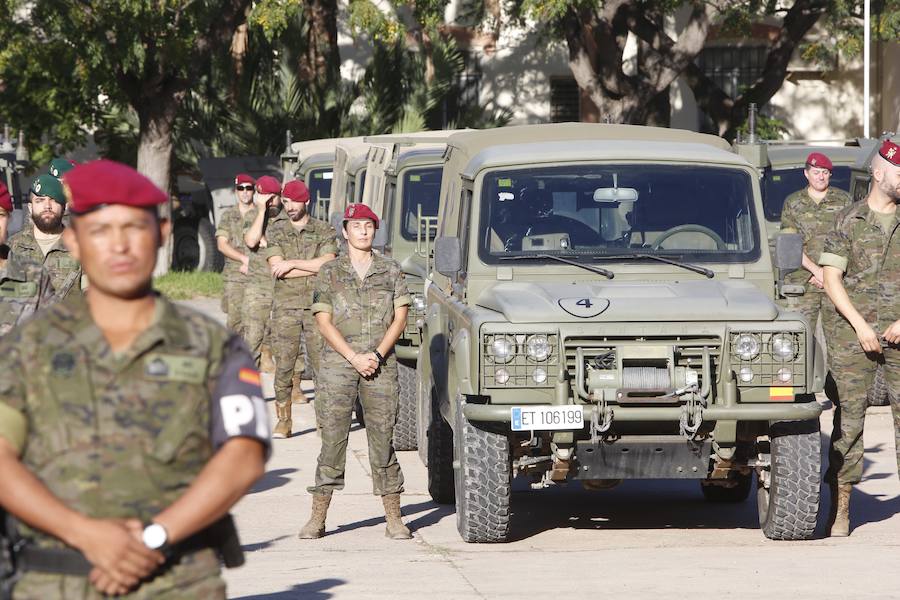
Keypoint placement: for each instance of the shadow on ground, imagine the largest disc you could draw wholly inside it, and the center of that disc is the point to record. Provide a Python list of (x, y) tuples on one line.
[(272, 479), (314, 590)]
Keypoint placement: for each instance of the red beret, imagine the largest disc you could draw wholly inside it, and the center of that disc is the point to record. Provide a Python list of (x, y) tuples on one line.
[(296, 191), (890, 152), (268, 185), (5, 198), (817, 159), (243, 178), (360, 211), (102, 182)]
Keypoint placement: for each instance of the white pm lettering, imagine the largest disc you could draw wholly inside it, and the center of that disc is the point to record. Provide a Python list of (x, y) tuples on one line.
[(239, 410)]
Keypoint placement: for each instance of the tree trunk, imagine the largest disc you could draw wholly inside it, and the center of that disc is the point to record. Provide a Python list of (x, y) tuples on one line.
[(319, 65)]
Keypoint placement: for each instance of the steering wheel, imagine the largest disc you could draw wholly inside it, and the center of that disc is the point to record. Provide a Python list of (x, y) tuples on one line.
[(690, 228)]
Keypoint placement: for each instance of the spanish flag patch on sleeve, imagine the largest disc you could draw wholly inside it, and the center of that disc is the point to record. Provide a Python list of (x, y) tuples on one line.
[(250, 376)]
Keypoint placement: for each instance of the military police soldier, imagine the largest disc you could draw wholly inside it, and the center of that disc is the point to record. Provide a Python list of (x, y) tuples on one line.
[(42, 241), (24, 285), (810, 212), (861, 261), (360, 304), (151, 419), (298, 247), (230, 241)]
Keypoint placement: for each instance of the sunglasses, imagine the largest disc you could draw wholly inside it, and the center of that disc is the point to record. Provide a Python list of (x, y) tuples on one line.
[(244, 188)]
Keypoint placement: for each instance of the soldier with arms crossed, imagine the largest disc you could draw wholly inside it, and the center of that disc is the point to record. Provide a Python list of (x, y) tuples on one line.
[(151, 419)]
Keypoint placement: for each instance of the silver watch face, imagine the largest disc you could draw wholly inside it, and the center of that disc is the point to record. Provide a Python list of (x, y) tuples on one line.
[(155, 536)]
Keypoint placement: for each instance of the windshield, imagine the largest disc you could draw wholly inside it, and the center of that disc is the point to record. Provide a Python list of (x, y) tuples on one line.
[(421, 187), (693, 212), (318, 181), (778, 185)]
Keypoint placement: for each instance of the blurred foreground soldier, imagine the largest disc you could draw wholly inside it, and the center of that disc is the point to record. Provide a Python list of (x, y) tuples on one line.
[(862, 278), (360, 304), (42, 241), (151, 421), (260, 288), (298, 247), (230, 242), (24, 285)]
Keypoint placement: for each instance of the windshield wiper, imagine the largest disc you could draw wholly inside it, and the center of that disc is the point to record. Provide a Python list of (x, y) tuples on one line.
[(598, 270), (709, 273)]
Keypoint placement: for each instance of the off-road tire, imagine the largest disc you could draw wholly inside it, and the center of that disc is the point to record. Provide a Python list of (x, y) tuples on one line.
[(405, 428), (483, 484), (789, 506), (194, 246), (440, 454), (738, 493), (879, 394)]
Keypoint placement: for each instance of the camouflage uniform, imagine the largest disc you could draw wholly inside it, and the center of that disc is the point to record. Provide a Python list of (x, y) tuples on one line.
[(869, 256), (64, 270), (258, 292), (122, 435), (812, 220), (230, 227), (362, 311), (24, 288), (293, 298)]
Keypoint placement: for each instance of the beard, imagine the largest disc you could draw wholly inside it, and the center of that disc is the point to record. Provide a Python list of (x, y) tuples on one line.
[(273, 210), (299, 214), (47, 222)]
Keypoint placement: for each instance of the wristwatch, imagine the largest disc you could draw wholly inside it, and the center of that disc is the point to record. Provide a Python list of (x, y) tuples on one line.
[(378, 356), (156, 537)]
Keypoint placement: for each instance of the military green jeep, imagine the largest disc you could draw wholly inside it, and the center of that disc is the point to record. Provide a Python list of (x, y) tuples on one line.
[(601, 309)]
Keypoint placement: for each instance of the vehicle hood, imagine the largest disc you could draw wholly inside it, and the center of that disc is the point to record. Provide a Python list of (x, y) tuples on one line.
[(637, 301)]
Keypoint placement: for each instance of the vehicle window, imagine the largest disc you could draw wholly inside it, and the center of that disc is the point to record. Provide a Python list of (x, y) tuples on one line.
[(778, 185), (319, 183), (695, 212), (421, 188)]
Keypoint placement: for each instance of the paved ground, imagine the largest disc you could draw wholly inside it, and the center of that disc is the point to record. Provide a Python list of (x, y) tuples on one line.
[(640, 540)]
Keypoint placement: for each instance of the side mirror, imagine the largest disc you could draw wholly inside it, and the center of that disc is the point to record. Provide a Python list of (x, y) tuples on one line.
[(447, 256), (381, 235), (788, 252)]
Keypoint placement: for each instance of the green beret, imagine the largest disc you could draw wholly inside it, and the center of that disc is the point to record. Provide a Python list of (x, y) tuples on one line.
[(48, 185), (59, 166)]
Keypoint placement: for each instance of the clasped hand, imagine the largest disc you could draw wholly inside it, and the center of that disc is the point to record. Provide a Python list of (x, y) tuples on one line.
[(366, 364), (116, 550)]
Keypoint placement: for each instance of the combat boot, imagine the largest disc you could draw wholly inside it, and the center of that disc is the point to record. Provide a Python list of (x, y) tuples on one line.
[(395, 530), (315, 527), (266, 362), (841, 527), (297, 395), (283, 427)]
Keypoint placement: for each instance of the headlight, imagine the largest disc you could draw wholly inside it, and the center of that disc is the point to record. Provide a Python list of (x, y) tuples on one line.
[(746, 374), (502, 376), (537, 347), (539, 375), (418, 303), (502, 349), (783, 346), (784, 375), (746, 346)]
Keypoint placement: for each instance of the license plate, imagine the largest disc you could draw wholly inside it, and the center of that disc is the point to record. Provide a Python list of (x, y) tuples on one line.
[(529, 418)]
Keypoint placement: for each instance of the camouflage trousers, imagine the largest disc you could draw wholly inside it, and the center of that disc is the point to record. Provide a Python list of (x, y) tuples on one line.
[(288, 327), (854, 371), (256, 313), (337, 386), (232, 303), (196, 576)]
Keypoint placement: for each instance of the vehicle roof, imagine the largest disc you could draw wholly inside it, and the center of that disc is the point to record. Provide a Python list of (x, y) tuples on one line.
[(323, 159), (426, 154), (418, 137), (597, 150), (795, 155), (473, 142)]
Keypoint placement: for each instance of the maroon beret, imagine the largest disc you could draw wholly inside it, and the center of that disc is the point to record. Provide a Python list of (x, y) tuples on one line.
[(296, 191), (268, 185), (102, 182), (817, 159), (360, 211), (890, 152), (5, 198), (241, 178)]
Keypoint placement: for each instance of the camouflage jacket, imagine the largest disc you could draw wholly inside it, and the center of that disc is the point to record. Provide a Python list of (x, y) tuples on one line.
[(231, 228), (24, 288), (314, 240), (123, 434), (812, 220), (64, 270), (259, 274), (361, 310), (870, 260)]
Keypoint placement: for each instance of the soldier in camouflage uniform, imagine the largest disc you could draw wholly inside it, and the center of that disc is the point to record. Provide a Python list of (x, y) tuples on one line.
[(298, 247), (360, 303), (230, 241), (24, 285), (862, 278), (810, 212), (260, 288), (153, 422), (41, 242)]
